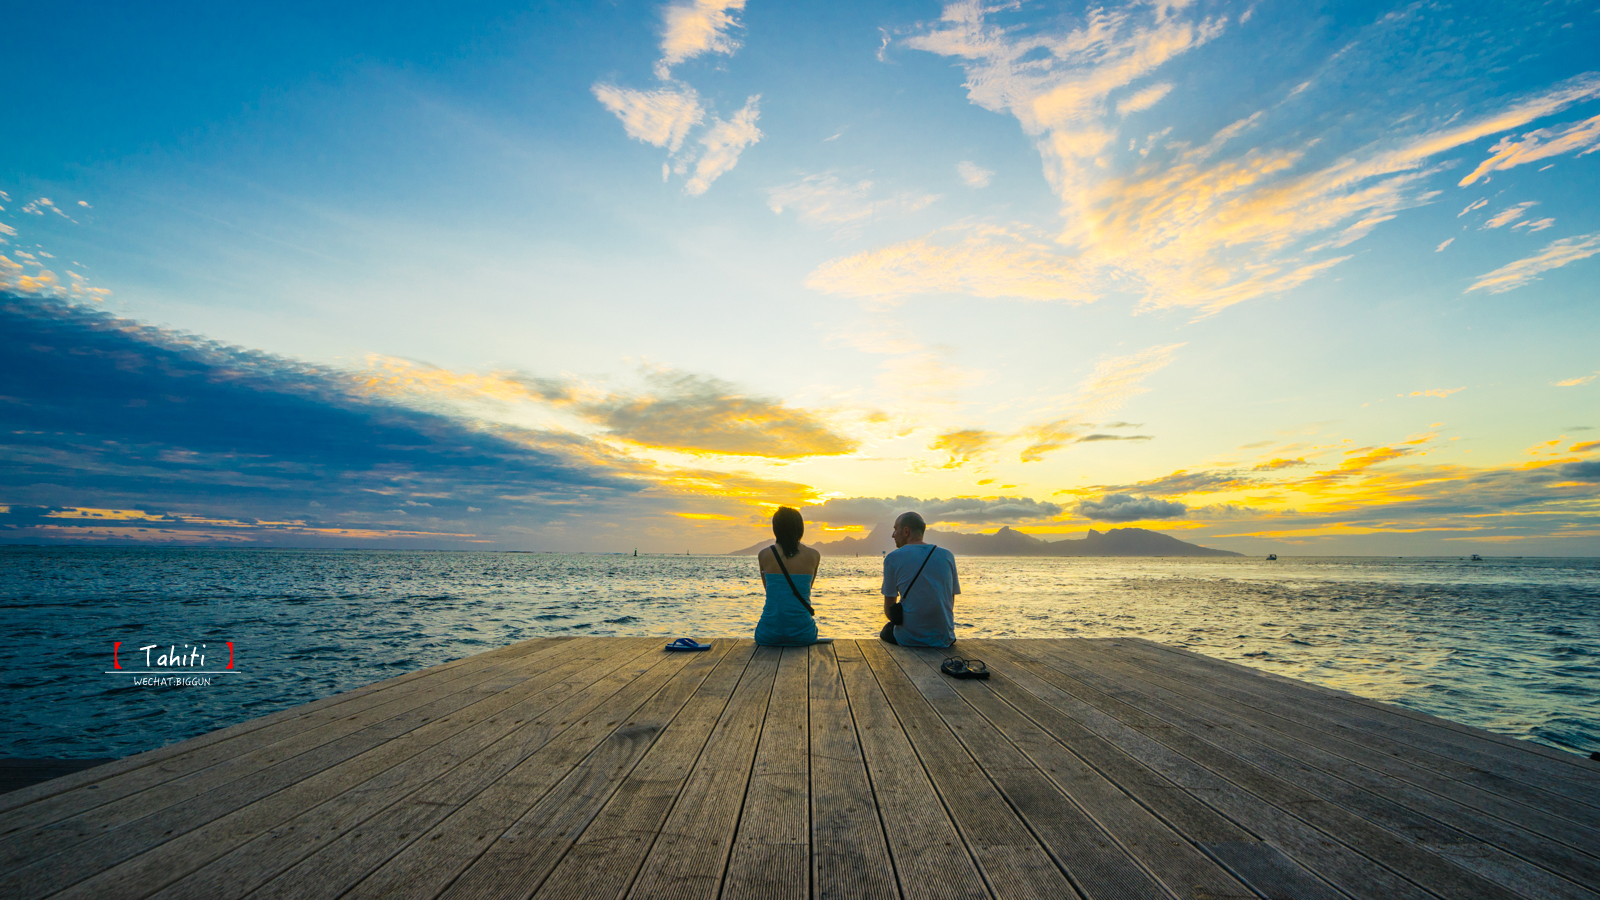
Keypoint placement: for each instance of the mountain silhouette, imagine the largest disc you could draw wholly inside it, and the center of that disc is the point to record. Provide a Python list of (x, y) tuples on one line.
[(1010, 542)]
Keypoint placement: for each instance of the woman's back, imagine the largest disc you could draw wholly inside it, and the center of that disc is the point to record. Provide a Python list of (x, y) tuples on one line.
[(785, 621)]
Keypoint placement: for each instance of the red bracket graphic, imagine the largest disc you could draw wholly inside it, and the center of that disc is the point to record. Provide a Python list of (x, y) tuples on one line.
[(230, 653), (114, 663)]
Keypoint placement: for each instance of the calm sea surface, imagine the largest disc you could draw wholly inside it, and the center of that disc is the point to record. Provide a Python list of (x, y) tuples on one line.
[(1512, 645)]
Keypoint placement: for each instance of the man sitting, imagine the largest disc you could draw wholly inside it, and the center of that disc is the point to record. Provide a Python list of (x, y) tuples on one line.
[(919, 588)]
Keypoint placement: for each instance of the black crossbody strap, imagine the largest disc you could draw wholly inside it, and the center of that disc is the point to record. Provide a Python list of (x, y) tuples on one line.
[(907, 592), (777, 554)]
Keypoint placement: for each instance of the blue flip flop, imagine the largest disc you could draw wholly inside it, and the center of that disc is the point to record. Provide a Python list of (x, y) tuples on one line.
[(687, 644)]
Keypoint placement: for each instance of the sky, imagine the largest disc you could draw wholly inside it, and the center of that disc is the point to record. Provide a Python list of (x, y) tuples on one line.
[(1265, 276)]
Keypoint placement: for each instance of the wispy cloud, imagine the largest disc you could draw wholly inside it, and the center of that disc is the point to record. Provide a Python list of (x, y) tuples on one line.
[(1143, 99), (964, 445), (1526, 271), (974, 175), (1581, 137), (1435, 392), (983, 261), (1201, 226), (1574, 382), (665, 116), (660, 117), (1509, 214), (680, 411), (1447, 242), (696, 27), (823, 201), (1106, 389), (723, 143)]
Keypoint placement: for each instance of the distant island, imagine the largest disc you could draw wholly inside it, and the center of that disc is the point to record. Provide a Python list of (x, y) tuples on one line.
[(1010, 542)]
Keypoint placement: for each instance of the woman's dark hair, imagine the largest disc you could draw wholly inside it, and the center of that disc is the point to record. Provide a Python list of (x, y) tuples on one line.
[(788, 528)]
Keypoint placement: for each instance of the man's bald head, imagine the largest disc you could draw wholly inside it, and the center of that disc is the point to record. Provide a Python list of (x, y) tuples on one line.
[(911, 521)]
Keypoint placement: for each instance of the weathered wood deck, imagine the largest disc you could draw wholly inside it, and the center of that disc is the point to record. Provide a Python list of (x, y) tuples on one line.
[(597, 768)]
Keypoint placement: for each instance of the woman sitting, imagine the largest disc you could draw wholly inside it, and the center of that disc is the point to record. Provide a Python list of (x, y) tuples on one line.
[(788, 569)]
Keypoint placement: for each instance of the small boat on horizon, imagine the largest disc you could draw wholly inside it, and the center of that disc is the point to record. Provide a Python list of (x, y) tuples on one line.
[(1477, 558), (1271, 557)]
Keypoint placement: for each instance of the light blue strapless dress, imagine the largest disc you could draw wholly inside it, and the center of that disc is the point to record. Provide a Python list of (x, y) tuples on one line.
[(784, 622)]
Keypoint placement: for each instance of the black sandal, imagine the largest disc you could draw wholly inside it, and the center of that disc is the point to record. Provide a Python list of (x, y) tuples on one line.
[(956, 667)]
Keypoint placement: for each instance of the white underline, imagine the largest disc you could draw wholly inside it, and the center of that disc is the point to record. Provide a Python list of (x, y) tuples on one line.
[(189, 672)]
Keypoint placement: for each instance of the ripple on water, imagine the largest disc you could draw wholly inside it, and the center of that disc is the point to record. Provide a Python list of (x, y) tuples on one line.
[(1510, 645)]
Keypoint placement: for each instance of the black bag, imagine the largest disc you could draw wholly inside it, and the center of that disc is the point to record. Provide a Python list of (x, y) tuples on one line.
[(897, 612)]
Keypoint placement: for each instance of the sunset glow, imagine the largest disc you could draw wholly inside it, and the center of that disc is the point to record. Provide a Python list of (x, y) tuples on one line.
[(1267, 277)]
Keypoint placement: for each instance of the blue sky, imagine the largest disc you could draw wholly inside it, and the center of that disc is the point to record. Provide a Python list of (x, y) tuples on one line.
[(1263, 276)]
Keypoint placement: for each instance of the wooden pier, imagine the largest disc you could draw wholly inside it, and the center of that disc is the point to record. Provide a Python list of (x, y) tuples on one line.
[(599, 768)]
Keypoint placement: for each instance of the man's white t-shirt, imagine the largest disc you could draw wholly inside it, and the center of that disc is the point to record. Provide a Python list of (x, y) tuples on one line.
[(930, 609)]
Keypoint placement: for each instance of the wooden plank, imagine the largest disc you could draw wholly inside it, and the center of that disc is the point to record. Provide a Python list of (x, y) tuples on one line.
[(213, 762), (1356, 723), (476, 754), (606, 857), (299, 772), (931, 857), (849, 857), (1280, 785), (1586, 768), (472, 759), (771, 855), (1012, 861), (1473, 747), (518, 861), (416, 846), (293, 716), (1098, 833), (1560, 849), (16, 774), (1073, 721), (690, 853)]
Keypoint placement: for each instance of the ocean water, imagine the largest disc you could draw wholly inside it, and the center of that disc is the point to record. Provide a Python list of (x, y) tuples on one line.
[(1512, 645)]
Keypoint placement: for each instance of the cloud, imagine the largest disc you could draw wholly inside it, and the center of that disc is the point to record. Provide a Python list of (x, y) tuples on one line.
[(964, 445), (696, 27), (1574, 382), (870, 511), (1479, 203), (1048, 437), (1436, 392), (1107, 388), (1526, 271), (1129, 508), (1582, 471), (983, 261), (1540, 144), (974, 175), (1534, 225), (1508, 214), (107, 413), (823, 201), (1186, 482), (1200, 225), (681, 411), (1276, 464), (1447, 242), (659, 117), (1143, 99), (723, 142), (1090, 438), (700, 414)]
